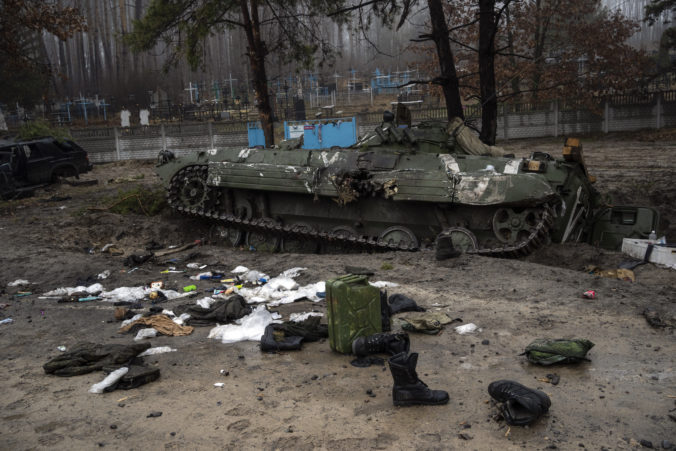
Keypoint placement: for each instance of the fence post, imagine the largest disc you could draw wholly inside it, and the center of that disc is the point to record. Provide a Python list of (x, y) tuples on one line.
[(606, 116), (556, 118), (505, 127), (117, 143), (659, 109), (211, 134), (164, 137)]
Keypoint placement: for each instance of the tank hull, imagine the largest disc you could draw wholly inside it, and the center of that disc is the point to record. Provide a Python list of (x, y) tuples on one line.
[(386, 195)]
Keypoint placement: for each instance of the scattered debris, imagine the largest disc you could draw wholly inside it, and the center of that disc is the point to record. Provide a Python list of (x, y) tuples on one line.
[(545, 351), (162, 323), (110, 380), (622, 274), (519, 405), (467, 329), (384, 284), (145, 333), (553, 379), (156, 350), (18, 282), (249, 328), (655, 319), (87, 357)]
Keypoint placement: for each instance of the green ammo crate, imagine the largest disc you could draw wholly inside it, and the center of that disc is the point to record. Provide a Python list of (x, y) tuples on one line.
[(353, 311)]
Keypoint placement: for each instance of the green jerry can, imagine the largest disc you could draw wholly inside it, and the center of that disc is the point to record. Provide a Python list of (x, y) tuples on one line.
[(353, 311)]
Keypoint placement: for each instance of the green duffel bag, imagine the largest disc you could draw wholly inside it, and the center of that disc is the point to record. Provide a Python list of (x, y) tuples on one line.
[(545, 351)]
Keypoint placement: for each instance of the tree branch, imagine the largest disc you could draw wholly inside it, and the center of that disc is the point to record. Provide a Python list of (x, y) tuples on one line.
[(461, 44), (352, 8)]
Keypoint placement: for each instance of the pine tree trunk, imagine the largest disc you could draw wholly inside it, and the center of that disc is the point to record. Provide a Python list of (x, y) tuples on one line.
[(489, 101), (449, 77), (256, 52)]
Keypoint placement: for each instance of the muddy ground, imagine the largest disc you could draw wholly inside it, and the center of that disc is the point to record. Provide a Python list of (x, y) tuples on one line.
[(314, 398)]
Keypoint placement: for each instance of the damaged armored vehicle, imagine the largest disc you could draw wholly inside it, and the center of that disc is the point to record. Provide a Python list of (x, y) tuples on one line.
[(398, 188), (26, 165)]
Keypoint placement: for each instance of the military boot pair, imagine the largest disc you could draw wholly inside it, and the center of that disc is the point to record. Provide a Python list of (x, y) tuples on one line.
[(408, 390)]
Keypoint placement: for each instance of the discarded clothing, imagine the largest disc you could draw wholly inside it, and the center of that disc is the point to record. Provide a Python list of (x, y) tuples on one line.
[(136, 376), (250, 328), (276, 340), (520, 405), (620, 273), (400, 303), (430, 323), (545, 351), (290, 335), (221, 312), (162, 323), (135, 260), (84, 358)]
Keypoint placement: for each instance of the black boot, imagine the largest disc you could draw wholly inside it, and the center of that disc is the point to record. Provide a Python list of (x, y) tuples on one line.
[(381, 344), (408, 390)]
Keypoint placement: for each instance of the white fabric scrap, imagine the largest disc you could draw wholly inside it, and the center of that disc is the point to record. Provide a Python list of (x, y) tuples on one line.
[(467, 329), (282, 283), (240, 270), (254, 276), (384, 284), (276, 294), (156, 350), (293, 272), (131, 320), (145, 333), (249, 328), (205, 302), (67, 291), (306, 291), (135, 293), (18, 282), (109, 380), (300, 317), (181, 319)]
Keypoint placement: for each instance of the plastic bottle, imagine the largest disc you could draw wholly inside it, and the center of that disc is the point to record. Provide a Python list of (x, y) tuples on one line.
[(652, 236)]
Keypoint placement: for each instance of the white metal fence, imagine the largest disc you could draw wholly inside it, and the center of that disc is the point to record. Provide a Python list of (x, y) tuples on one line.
[(620, 113)]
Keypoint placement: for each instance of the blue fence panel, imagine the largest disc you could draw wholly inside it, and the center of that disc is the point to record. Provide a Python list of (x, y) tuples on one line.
[(256, 135), (323, 133)]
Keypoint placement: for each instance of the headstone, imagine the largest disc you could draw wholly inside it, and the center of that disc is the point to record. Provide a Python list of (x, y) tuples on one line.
[(3, 124), (125, 116), (144, 116)]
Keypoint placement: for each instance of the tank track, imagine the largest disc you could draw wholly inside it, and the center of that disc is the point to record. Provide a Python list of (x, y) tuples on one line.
[(538, 237)]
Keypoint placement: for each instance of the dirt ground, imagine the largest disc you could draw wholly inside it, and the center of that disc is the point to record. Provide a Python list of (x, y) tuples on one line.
[(314, 398)]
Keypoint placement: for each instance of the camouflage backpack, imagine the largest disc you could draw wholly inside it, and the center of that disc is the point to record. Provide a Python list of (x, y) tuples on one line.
[(545, 351)]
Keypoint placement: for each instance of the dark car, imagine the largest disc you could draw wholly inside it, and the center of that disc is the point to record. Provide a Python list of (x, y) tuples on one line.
[(25, 164)]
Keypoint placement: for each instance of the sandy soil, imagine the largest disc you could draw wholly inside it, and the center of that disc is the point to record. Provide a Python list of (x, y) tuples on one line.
[(314, 398)]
